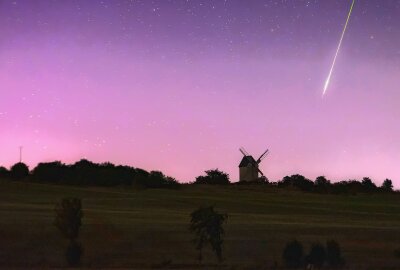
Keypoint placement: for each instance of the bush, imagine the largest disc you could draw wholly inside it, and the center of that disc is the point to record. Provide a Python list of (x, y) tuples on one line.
[(206, 224), (297, 181), (19, 171), (317, 256), (333, 254), (213, 177), (293, 254), (74, 253)]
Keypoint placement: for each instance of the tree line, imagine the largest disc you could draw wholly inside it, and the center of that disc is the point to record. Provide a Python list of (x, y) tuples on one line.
[(320, 185), (87, 173)]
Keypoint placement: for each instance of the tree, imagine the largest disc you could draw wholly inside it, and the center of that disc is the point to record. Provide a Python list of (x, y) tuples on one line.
[(333, 254), (207, 225), (322, 184), (293, 254), (317, 256), (69, 220), (4, 173), (387, 185), (213, 177), (368, 185), (298, 181), (19, 171)]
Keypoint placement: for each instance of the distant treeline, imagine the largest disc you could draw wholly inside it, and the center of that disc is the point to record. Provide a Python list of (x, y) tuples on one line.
[(87, 173), (297, 181)]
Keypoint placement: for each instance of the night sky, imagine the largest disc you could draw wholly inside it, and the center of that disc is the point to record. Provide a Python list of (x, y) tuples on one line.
[(180, 85)]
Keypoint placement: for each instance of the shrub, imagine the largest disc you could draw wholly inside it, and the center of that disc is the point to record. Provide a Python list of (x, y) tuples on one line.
[(207, 225), (19, 171), (293, 254)]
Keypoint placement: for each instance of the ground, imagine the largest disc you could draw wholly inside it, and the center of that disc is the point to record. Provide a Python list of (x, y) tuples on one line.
[(128, 228)]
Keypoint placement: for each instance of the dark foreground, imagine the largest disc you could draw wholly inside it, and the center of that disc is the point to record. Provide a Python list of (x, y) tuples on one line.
[(126, 228)]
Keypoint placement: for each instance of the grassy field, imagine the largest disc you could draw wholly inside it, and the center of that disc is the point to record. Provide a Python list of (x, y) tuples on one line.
[(143, 228)]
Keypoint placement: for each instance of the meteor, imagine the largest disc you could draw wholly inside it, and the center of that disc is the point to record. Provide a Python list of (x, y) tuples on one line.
[(337, 50)]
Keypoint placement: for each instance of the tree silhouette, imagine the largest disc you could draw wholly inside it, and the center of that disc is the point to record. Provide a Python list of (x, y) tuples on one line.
[(69, 220), (333, 254), (368, 185), (207, 225), (19, 171), (317, 256), (293, 254), (387, 185), (4, 173), (213, 177)]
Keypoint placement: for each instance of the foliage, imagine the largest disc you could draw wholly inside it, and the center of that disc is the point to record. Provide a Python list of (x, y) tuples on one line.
[(387, 185), (317, 256), (19, 171), (207, 225), (368, 185), (4, 173), (213, 177), (297, 181), (69, 217), (333, 254), (74, 253), (397, 253), (293, 254), (87, 173)]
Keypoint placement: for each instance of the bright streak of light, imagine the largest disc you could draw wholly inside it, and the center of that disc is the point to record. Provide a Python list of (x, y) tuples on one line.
[(338, 48)]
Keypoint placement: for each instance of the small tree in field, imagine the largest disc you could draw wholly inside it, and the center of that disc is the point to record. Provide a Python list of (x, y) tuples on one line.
[(317, 256), (333, 254), (69, 220), (207, 225), (293, 254)]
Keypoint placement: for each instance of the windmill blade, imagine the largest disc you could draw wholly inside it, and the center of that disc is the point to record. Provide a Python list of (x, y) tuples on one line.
[(244, 152), (262, 156), (260, 171)]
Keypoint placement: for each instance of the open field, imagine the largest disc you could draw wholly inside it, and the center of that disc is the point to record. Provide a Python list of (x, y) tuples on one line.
[(142, 228)]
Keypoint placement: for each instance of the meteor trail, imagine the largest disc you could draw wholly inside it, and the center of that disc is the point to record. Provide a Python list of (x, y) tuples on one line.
[(338, 48)]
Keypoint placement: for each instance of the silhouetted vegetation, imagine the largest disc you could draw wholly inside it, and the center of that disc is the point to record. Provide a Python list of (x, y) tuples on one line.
[(4, 173), (316, 257), (334, 257), (387, 185), (213, 177), (69, 220), (293, 254), (207, 225), (297, 181), (87, 173), (19, 171)]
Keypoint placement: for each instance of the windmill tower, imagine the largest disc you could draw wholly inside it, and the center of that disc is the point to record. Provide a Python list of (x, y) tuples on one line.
[(249, 167)]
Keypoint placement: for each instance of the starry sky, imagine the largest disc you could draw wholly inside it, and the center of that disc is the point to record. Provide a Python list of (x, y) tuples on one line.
[(180, 85)]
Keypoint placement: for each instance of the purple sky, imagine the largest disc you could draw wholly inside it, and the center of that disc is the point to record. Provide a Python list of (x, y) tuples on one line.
[(179, 86)]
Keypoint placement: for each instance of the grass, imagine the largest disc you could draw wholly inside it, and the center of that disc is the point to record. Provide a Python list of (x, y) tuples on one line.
[(130, 228)]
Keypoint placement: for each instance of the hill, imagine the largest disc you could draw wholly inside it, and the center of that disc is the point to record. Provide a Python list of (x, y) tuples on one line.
[(123, 227)]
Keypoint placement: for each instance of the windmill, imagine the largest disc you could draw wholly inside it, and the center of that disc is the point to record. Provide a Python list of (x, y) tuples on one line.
[(249, 167)]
